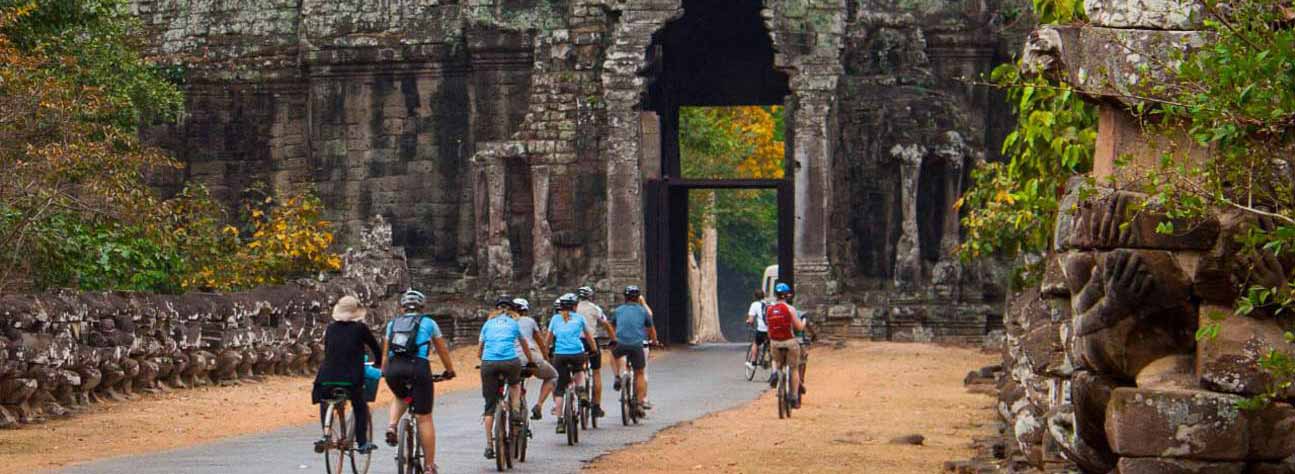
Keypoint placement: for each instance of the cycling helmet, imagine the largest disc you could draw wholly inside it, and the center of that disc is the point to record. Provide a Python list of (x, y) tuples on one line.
[(521, 304), (557, 305), (504, 302), (781, 290), (568, 301), (632, 292), (585, 292), (412, 299)]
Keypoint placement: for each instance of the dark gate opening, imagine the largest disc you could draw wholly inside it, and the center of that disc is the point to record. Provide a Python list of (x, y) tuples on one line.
[(716, 54)]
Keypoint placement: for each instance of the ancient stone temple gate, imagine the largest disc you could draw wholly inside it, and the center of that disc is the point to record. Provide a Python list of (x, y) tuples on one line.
[(513, 144)]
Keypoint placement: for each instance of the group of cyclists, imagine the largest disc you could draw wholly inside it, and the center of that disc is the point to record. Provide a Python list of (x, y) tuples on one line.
[(511, 345), (777, 325)]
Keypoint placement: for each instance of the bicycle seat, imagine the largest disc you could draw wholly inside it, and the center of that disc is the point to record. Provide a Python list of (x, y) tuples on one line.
[(339, 394)]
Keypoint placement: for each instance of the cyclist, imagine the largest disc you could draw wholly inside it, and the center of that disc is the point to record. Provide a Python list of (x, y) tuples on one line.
[(783, 323), (755, 317), (632, 324), (409, 370), (543, 370), (569, 337), (596, 323), (498, 350), (344, 342)]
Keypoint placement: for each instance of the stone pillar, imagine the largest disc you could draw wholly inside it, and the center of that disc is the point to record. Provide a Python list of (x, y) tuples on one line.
[(542, 241), (908, 258), (499, 256), (813, 160), (948, 270)]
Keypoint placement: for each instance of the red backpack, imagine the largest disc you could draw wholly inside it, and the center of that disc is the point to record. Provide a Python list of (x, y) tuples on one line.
[(780, 321)]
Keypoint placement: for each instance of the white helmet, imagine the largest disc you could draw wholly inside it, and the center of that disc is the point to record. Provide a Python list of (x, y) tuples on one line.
[(522, 304), (412, 299)]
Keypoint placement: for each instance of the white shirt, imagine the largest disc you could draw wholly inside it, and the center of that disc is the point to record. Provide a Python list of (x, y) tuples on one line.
[(594, 317), (756, 312)]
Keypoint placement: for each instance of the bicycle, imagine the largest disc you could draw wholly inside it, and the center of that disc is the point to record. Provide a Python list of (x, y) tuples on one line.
[(762, 358), (521, 438), (570, 414), (409, 450), (586, 408), (338, 444), (784, 384), (630, 409)]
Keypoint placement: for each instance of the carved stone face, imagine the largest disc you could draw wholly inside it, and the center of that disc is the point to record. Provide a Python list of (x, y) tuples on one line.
[(1042, 51)]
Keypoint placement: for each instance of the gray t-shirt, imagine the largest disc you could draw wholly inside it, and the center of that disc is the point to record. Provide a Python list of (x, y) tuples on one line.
[(528, 328), (594, 317)]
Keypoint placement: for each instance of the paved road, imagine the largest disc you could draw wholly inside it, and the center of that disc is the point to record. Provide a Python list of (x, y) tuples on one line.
[(686, 384)]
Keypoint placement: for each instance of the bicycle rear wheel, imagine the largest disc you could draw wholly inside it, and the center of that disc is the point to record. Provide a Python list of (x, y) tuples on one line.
[(751, 362), (569, 417), (500, 435), (521, 434), (584, 407), (406, 448), (359, 461), (593, 417), (335, 431), (784, 409), (625, 402)]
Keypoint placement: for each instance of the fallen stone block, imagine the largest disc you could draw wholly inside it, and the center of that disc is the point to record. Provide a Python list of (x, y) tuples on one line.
[(1177, 466), (1182, 424)]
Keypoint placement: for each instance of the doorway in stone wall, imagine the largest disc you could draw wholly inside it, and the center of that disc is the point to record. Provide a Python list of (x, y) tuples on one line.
[(716, 58)]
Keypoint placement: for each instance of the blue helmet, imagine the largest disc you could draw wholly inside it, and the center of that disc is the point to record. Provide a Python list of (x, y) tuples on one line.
[(782, 290)]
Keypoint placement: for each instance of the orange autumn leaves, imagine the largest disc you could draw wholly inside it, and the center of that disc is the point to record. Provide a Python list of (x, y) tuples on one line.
[(732, 142)]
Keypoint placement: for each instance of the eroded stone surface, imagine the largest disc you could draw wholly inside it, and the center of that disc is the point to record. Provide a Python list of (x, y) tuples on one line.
[(1181, 424)]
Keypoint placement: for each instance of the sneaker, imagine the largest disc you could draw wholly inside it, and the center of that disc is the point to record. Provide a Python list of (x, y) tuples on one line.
[(646, 404), (391, 437), (616, 385), (366, 448), (562, 428), (802, 389), (773, 379), (639, 413), (750, 366), (795, 403), (598, 411), (322, 445), (535, 413), (490, 453)]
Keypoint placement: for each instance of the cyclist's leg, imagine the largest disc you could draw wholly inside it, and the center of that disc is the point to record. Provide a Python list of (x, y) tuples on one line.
[(597, 363), (361, 408), (637, 361), (490, 392), (564, 369), (513, 376), (644, 389), (427, 438), (546, 373)]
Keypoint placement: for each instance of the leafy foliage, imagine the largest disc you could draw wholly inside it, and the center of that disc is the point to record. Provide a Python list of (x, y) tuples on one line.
[(1236, 98), (1011, 208), (75, 209), (735, 142)]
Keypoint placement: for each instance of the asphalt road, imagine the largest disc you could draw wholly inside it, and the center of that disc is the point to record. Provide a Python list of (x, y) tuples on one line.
[(685, 384)]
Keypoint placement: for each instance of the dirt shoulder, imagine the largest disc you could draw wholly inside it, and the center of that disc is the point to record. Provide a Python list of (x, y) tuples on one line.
[(179, 419), (860, 397)]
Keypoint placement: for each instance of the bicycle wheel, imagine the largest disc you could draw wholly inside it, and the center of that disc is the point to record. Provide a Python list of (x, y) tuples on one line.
[(625, 402), (521, 434), (751, 363), (783, 410), (569, 416), (593, 418), (765, 357), (359, 461), (335, 455), (500, 435), (406, 446), (584, 407)]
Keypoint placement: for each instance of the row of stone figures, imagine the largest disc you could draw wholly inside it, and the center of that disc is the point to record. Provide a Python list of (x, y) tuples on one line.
[(60, 352), (1105, 372)]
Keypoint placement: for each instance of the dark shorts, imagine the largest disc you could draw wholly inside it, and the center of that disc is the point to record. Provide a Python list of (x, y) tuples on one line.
[(567, 365), (761, 338), (633, 353), (596, 360), (411, 379), (491, 370)]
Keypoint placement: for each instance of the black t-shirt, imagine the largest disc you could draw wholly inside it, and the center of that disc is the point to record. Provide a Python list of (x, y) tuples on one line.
[(344, 344)]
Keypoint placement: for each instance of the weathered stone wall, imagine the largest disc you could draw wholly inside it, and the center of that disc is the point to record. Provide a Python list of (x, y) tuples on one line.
[(505, 140), (1104, 370), (61, 351)]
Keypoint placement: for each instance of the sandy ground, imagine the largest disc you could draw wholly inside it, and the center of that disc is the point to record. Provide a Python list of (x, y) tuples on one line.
[(181, 418), (860, 398)]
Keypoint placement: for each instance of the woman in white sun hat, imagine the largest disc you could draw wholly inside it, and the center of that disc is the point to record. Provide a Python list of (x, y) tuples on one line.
[(344, 343)]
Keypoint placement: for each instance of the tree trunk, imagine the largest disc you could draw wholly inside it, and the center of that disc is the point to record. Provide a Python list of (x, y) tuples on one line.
[(702, 284)]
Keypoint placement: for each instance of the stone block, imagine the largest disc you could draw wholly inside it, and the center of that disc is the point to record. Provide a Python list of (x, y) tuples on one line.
[(1230, 362), (1169, 372), (1110, 63), (1177, 466), (1125, 153), (1272, 433), (1119, 219), (1180, 424), (1148, 14)]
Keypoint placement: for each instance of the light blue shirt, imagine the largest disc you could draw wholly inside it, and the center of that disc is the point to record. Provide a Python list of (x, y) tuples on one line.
[(500, 335), (632, 321), (568, 334), (427, 330)]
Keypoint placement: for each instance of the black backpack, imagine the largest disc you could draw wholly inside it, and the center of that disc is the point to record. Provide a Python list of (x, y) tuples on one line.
[(404, 335)]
